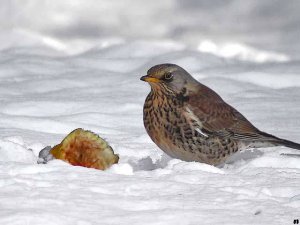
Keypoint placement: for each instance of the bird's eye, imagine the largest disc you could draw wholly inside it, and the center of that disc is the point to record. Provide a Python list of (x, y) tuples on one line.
[(168, 76)]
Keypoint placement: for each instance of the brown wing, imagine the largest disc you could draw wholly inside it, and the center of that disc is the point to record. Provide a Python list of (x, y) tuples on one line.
[(220, 119)]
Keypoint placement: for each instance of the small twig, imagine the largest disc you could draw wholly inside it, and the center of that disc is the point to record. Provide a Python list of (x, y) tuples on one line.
[(290, 155)]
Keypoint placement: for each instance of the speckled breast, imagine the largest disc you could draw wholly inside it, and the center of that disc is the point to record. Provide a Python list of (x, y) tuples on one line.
[(169, 129), (172, 132)]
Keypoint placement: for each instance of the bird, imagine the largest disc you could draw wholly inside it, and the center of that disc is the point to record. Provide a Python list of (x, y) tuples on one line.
[(191, 122)]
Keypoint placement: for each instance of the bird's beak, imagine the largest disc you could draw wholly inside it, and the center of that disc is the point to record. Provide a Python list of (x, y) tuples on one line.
[(149, 79)]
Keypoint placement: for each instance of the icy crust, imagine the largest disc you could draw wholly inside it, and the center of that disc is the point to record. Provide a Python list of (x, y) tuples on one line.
[(44, 97)]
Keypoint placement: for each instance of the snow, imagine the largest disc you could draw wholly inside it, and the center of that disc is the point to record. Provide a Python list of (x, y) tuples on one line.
[(241, 52), (66, 67)]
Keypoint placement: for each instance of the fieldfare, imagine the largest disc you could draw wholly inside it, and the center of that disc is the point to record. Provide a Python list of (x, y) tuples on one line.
[(189, 121)]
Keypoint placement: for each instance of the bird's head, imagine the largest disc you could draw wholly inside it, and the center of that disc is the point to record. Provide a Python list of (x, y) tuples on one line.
[(168, 76)]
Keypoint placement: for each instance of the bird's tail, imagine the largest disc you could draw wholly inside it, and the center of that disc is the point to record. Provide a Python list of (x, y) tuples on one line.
[(281, 142), (288, 144)]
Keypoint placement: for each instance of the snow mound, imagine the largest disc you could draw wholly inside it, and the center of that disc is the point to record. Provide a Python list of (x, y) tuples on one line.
[(12, 151), (241, 52)]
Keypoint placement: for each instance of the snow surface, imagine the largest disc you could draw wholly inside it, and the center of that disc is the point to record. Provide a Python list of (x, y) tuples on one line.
[(54, 80)]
